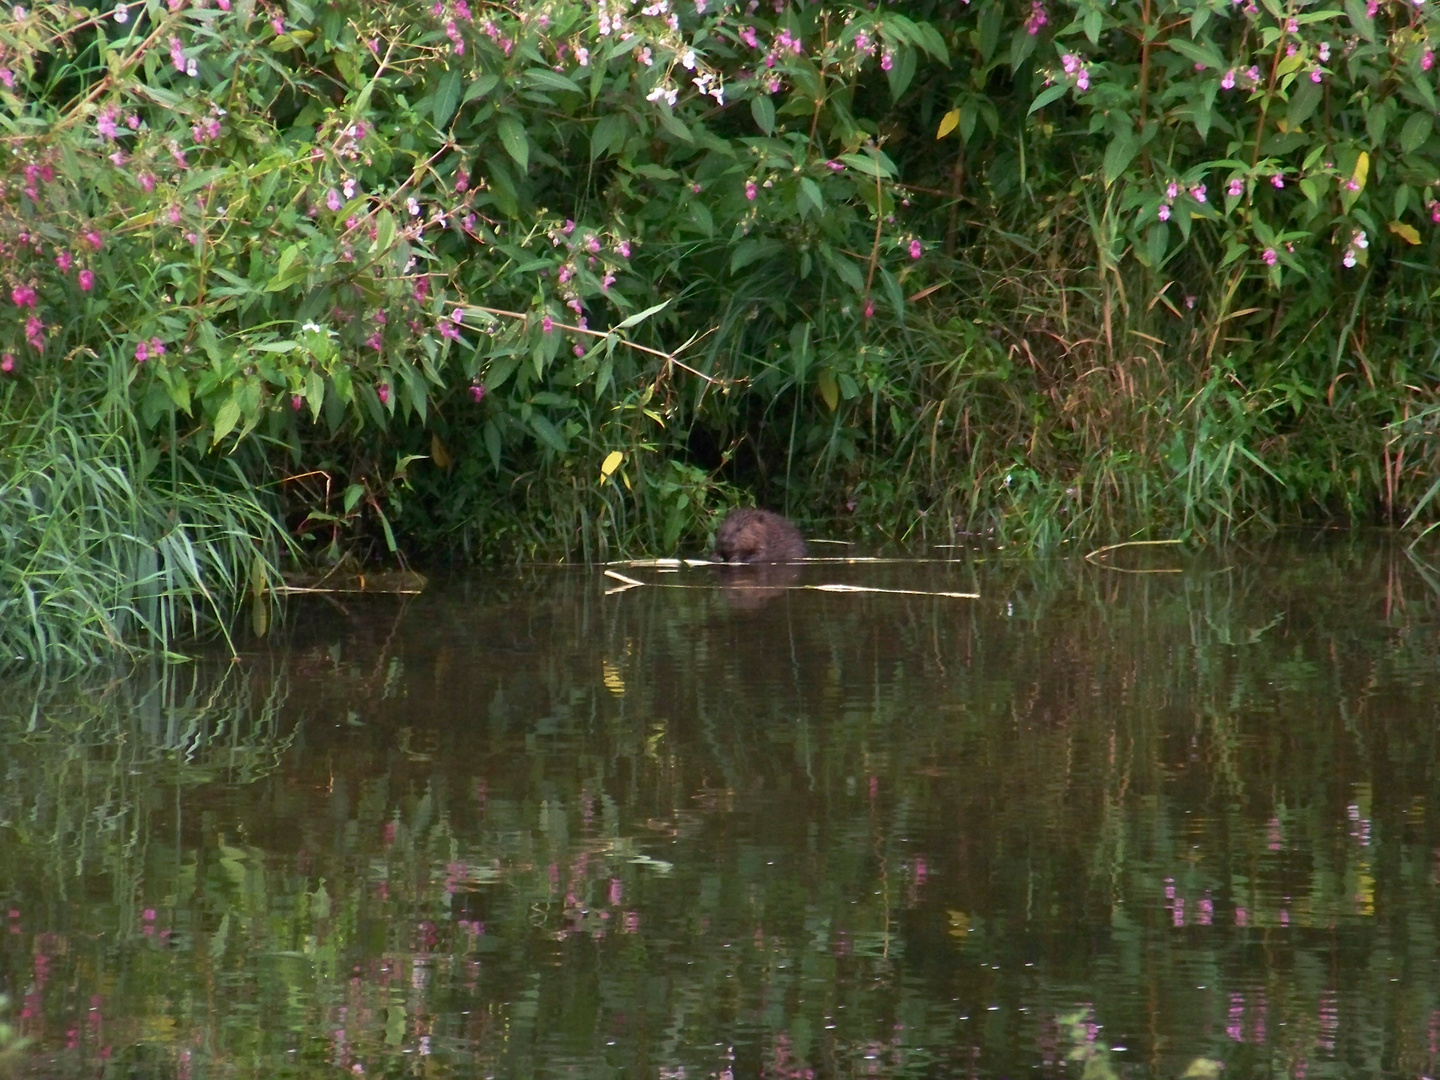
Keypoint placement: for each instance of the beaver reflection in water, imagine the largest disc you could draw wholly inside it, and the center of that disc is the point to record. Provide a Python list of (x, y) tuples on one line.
[(748, 535)]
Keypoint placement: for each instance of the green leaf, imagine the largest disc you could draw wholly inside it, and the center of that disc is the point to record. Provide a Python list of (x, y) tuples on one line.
[(226, 419), (512, 135), (1303, 102), (640, 316), (991, 22), (811, 191), (844, 268), (608, 133), (1198, 52), (384, 230), (749, 251), (1360, 19), (675, 126), (1021, 46), (480, 86), (547, 433), (1094, 20), (1051, 93), (876, 164), (1118, 155), (447, 98), (545, 79), (501, 368), (931, 40), (901, 72), (763, 110), (1414, 132), (492, 443)]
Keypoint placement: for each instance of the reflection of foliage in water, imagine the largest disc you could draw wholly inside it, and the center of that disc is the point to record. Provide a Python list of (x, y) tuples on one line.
[(530, 831)]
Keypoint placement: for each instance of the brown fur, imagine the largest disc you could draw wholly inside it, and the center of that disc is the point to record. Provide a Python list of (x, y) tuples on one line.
[(758, 536)]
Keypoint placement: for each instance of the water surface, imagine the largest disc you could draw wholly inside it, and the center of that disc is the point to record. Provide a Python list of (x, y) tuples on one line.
[(1094, 822)]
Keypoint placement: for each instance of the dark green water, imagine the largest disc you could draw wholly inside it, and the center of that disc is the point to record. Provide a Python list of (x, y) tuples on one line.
[(1091, 824)]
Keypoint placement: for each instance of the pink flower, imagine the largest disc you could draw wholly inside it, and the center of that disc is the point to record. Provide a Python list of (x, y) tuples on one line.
[(34, 332), (887, 60), (297, 402), (750, 190), (94, 239), (147, 182), (623, 248), (177, 54), (1198, 193), (1278, 180), (1227, 81), (477, 393), (1164, 212), (1037, 19), (1268, 256), (8, 78), (374, 341), (462, 180), (142, 353), (547, 324), (916, 249), (157, 347), (1427, 60), (383, 392), (7, 363), (1172, 190), (24, 296), (606, 282), (1236, 188), (332, 200), (869, 308), (87, 280)]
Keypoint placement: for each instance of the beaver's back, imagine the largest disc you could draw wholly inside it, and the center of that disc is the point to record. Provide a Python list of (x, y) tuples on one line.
[(750, 535)]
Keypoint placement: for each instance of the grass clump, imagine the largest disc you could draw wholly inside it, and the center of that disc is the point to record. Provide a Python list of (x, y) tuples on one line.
[(108, 545)]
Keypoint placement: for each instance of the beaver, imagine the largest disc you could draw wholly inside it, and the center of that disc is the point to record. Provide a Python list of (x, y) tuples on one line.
[(748, 535)]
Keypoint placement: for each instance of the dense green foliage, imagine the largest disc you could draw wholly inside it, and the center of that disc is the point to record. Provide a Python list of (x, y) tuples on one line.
[(569, 278)]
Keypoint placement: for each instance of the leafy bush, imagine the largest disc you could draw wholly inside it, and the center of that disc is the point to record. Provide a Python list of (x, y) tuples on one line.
[(561, 277)]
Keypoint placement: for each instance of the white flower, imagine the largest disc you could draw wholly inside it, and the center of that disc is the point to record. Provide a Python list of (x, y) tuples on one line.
[(412, 206), (687, 59), (122, 13)]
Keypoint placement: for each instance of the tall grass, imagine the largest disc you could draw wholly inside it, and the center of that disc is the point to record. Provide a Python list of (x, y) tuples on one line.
[(108, 545)]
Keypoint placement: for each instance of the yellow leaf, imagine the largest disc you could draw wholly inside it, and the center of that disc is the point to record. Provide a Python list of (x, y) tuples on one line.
[(948, 123), (1405, 232), (829, 391), (438, 453), (1362, 170), (610, 464)]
